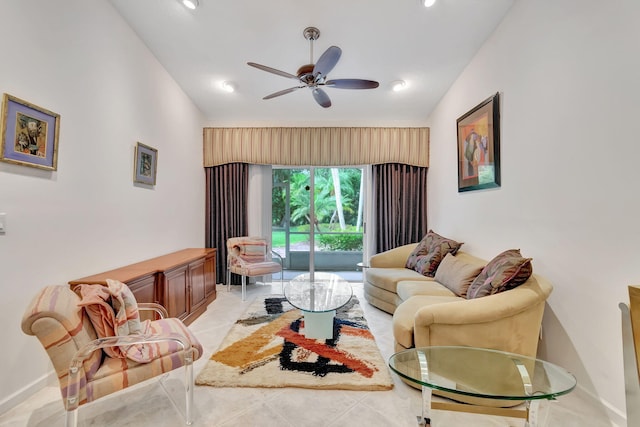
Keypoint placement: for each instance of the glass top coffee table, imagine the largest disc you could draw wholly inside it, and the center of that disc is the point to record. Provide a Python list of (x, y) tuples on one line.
[(318, 298), (482, 374)]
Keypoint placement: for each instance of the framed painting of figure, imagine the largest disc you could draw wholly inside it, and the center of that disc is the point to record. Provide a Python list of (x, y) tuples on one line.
[(479, 146)]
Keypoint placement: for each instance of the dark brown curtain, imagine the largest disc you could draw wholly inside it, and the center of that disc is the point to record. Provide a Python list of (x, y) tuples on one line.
[(401, 204), (226, 216)]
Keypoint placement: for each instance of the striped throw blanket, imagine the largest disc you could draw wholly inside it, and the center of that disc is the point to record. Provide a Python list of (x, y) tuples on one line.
[(113, 311)]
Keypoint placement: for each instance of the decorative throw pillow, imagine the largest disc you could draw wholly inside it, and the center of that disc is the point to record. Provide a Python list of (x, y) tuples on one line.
[(456, 274), (426, 257), (506, 271), (421, 249)]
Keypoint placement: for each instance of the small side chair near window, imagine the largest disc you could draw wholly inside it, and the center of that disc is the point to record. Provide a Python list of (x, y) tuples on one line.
[(98, 345), (249, 257)]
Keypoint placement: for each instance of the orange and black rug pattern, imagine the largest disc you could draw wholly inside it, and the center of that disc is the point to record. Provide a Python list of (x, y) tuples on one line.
[(267, 347)]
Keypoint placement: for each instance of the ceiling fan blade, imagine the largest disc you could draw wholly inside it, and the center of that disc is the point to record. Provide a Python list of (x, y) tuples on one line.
[(327, 61), (321, 97), (272, 70), (352, 84), (283, 92)]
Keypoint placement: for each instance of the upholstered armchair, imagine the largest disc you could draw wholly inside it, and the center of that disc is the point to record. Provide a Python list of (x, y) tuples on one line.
[(249, 257), (85, 370)]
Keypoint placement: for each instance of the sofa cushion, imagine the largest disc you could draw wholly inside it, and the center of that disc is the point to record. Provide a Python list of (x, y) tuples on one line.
[(384, 300), (388, 278), (426, 257), (404, 316), (506, 271), (457, 273), (409, 288)]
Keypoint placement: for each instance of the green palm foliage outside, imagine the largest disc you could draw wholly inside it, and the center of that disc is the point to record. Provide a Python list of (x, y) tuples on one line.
[(330, 186)]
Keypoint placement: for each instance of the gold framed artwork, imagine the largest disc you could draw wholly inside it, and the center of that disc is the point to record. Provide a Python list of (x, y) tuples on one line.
[(29, 134), (145, 164), (479, 146)]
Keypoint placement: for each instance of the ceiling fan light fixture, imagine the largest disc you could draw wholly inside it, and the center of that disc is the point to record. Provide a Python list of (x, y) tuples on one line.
[(190, 4), (398, 85), (228, 86), (427, 3)]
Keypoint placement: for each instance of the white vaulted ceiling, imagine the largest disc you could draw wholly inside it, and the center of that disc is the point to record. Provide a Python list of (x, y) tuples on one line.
[(382, 40)]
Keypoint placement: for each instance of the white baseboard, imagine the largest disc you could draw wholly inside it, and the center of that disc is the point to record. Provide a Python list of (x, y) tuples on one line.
[(27, 391)]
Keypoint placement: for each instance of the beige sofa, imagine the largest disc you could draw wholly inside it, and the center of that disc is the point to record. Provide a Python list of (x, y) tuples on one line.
[(426, 313)]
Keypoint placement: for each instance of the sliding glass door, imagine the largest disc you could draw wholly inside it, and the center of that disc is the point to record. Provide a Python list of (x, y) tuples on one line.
[(323, 232)]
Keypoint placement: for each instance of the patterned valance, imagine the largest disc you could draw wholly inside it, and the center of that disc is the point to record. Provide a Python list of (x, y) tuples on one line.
[(326, 146)]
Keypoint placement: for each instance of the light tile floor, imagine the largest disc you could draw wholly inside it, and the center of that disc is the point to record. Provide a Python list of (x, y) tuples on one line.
[(148, 405)]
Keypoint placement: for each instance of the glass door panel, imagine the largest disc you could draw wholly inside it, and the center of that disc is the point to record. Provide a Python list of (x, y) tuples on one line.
[(291, 238), (338, 212), (323, 233)]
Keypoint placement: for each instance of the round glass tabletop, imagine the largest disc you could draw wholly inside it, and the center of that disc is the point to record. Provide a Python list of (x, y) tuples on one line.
[(482, 373), (326, 292)]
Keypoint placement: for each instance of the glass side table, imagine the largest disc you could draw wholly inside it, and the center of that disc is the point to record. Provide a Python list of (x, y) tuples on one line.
[(484, 374), (318, 298)]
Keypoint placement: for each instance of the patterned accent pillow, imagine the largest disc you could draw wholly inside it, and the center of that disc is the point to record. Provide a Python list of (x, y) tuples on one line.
[(506, 271), (426, 257), (421, 249)]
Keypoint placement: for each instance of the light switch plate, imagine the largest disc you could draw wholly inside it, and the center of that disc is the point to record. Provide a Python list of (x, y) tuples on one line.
[(3, 223)]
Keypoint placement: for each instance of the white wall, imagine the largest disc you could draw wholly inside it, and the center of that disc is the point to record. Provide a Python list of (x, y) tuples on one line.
[(567, 72), (79, 59)]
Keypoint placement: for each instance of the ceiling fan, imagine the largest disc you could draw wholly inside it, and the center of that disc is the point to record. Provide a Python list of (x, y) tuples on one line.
[(314, 76)]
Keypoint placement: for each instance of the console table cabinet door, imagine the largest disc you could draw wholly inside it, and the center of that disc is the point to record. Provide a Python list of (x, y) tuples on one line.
[(210, 276), (176, 291), (197, 284), (145, 290)]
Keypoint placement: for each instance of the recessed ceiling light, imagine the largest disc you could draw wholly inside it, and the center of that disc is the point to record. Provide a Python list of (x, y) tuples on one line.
[(191, 4), (398, 85), (428, 3), (228, 86)]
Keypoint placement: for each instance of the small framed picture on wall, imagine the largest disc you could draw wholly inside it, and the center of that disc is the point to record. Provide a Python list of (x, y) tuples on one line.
[(145, 164), (479, 146), (29, 134)]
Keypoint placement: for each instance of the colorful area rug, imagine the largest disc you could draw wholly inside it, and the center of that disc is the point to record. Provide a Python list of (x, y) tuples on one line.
[(267, 348)]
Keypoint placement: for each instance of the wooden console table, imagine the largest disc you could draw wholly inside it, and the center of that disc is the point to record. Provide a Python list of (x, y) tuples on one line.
[(184, 282)]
